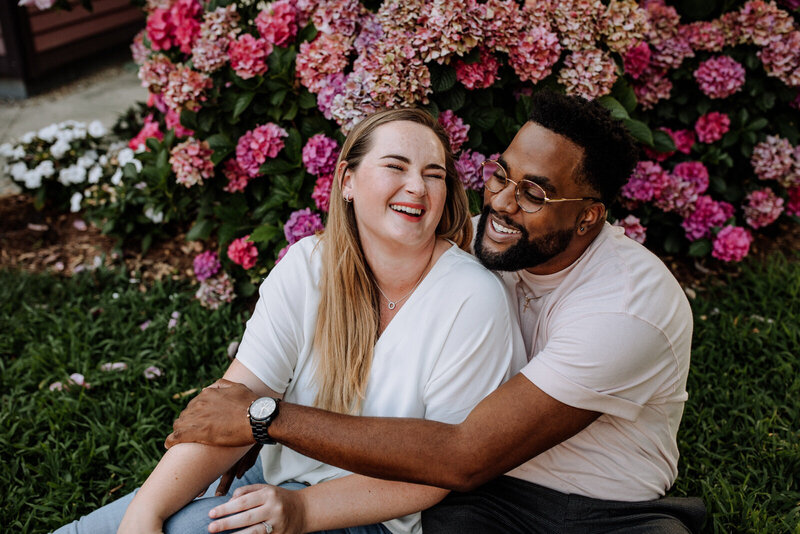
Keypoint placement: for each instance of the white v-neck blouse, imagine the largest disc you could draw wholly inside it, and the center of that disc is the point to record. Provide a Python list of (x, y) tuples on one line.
[(453, 342)]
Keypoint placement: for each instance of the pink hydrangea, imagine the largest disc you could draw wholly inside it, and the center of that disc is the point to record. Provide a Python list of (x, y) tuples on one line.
[(302, 223), (278, 22), (237, 178), (154, 73), (337, 17), (793, 206), (712, 126), (206, 264), (210, 50), (173, 122), (281, 253), (442, 30), (533, 55), (371, 32), (588, 73), (669, 53), (707, 214), (243, 252), (693, 172), (322, 192), (762, 208), (457, 130), (468, 167), (328, 88), (150, 129), (186, 26), (633, 228), (249, 56), (319, 154), (678, 195), (623, 25), (214, 292), (646, 182), (478, 75), (704, 35), (209, 55), (636, 60), (255, 146), (652, 87), (781, 58), (392, 74), (186, 88), (326, 54), (773, 159), (160, 29), (720, 77), (732, 244), (191, 162), (577, 22), (761, 23), (139, 51)]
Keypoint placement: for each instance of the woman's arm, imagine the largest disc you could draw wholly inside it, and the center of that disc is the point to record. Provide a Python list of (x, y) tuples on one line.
[(344, 502), (185, 470)]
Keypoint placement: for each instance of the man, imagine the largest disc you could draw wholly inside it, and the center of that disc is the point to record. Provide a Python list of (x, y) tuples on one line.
[(586, 432)]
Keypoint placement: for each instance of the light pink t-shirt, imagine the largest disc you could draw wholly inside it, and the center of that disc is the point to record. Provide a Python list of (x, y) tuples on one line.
[(611, 333)]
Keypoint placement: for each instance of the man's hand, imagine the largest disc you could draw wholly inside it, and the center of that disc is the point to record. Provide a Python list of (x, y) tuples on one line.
[(217, 416)]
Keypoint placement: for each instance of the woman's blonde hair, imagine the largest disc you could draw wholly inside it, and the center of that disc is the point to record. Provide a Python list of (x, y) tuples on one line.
[(349, 310)]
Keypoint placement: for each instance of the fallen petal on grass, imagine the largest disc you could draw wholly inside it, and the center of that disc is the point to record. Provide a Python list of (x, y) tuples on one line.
[(115, 366), (152, 372)]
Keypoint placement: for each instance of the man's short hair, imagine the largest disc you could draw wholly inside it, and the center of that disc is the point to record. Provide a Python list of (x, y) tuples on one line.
[(610, 153)]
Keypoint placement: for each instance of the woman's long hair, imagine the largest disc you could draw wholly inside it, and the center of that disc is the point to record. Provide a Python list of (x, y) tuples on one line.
[(349, 310)]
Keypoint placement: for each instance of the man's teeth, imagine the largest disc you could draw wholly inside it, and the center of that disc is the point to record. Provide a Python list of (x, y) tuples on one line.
[(406, 209), (502, 229)]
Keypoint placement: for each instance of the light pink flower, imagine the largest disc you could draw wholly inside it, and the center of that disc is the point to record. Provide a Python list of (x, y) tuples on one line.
[(502, 22), (773, 159), (468, 167), (302, 223), (762, 208), (186, 88), (116, 366), (762, 23), (278, 22), (173, 122), (154, 73), (533, 55), (732, 243), (56, 386), (319, 154), (328, 88), (781, 58), (206, 264), (623, 25), (249, 56), (325, 55), (588, 73), (646, 182), (243, 252), (322, 192), (442, 29), (636, 60), (633, 228), (191, 162), (457, 130), (478, 75), (257, 145), (704, 35), (577, 22), (152, 372), (237, 178), (214, 292), (79, 380), (707, 214), (712, 126), (173, 320), (652, 87), (139, 51), (337, 17), (720, 77), (145, 325)]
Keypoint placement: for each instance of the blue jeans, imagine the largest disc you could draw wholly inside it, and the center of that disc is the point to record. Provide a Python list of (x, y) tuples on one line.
[(192, 518)]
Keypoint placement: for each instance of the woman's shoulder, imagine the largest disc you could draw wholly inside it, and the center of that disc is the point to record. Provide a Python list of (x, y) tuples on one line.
[(462, 273)]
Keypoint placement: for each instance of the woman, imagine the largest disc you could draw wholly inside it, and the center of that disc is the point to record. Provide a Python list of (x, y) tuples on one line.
[(383, 314)]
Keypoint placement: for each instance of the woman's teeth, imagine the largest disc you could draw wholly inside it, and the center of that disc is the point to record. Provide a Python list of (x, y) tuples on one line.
[(406, 209)]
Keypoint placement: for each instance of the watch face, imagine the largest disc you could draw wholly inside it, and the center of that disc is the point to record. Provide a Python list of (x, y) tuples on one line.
[(262, 408)]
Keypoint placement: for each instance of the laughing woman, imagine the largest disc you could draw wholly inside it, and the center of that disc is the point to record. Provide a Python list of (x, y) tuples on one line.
[(383, 314)]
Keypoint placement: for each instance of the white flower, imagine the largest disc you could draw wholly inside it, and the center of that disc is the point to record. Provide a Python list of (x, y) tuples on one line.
[(85, 161), (72, 175), (59, 148), (75, 202), (117, 177), (46, 169), (155, 216), (28, 138), (33, 179), (103, 160), (125, 155), (95, 173), (96, 129), (48, 133), (6, 150), (19, 152), (18, 171)]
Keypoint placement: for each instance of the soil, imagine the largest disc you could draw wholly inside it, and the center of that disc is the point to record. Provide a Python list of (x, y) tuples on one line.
[(63, 242)]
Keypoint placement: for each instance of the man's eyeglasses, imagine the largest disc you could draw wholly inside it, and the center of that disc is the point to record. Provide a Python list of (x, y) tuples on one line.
[(530, 195)]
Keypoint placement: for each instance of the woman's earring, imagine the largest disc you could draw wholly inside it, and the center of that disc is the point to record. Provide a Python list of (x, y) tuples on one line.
[(346, 199)]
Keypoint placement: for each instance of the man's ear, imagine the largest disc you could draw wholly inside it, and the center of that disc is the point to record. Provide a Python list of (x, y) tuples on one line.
[(591, 217)]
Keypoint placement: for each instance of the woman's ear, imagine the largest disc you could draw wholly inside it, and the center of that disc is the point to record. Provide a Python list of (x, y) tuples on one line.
[(345, 178)]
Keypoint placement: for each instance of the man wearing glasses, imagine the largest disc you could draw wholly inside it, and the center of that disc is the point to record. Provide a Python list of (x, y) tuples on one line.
[(582, 438)]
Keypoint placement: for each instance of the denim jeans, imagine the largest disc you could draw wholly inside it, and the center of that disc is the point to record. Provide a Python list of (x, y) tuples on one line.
[(192, 518)]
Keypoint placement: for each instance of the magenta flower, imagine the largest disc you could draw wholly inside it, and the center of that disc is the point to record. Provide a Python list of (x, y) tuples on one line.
[(633, 228), (478, 75), (249, 56), (278, 22), (646, 182), (282, 253), (708, 213), (191, 162), (206, 264), (705, 35), (732, 244), (255, 146), (763, 207), (331, 86), (652, 87), (636, 60), (712, 126), (150, 129), (793, 206), (468, 167), (534, 53), (160, 29), (683, 139), (720, 77), (237, 178), (457, 130), (322, 192), (186, 26), (302, 223), (319, 154), (693, 172), (243, 252)]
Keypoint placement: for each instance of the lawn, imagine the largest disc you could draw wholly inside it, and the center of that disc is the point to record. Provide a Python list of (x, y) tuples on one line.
[(66, 452)]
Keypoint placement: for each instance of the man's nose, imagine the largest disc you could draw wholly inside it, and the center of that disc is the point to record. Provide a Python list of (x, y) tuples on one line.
[(505, 201)]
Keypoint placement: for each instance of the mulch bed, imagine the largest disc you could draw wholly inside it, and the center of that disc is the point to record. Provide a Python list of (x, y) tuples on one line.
[(62, 242)]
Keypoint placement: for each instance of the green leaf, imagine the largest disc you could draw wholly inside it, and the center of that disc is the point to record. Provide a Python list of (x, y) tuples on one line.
[(265, 233), (242, 102), (293, 146), (309, 33), (306, 100), (227, 232), (453, 99), (290, 113), (277, 98), (624, 94), (189, 119), (153, 144), (672, 244), (640, 131), (201, 230), (484, 118), (445, 78), (663, 142), (523, 109), (617, 110), (129, 171), (277, 166), (206, 119), (700, 248), (147, 241), (313, 124), (757, 124)]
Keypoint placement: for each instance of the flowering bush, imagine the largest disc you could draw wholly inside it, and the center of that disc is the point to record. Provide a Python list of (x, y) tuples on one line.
[(250, 102)]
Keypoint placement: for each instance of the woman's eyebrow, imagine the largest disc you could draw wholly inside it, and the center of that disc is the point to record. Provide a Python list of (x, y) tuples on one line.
[(408, 161)]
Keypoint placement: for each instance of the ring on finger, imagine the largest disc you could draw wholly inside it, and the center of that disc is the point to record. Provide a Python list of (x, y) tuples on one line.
[(267, 526)]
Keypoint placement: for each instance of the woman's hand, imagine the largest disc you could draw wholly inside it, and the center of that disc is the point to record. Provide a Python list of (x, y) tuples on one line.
[(252, 506)]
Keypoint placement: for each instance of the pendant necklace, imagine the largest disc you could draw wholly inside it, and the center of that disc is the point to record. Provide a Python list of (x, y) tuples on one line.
[(392, 304)]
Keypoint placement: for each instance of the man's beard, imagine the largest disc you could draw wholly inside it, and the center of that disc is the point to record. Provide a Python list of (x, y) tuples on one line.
[(523, 254)]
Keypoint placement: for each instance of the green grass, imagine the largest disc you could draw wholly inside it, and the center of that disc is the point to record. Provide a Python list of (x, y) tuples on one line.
[(65, 453)]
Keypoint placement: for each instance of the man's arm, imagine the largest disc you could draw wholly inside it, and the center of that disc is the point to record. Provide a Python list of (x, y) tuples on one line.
[(513, 424)]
